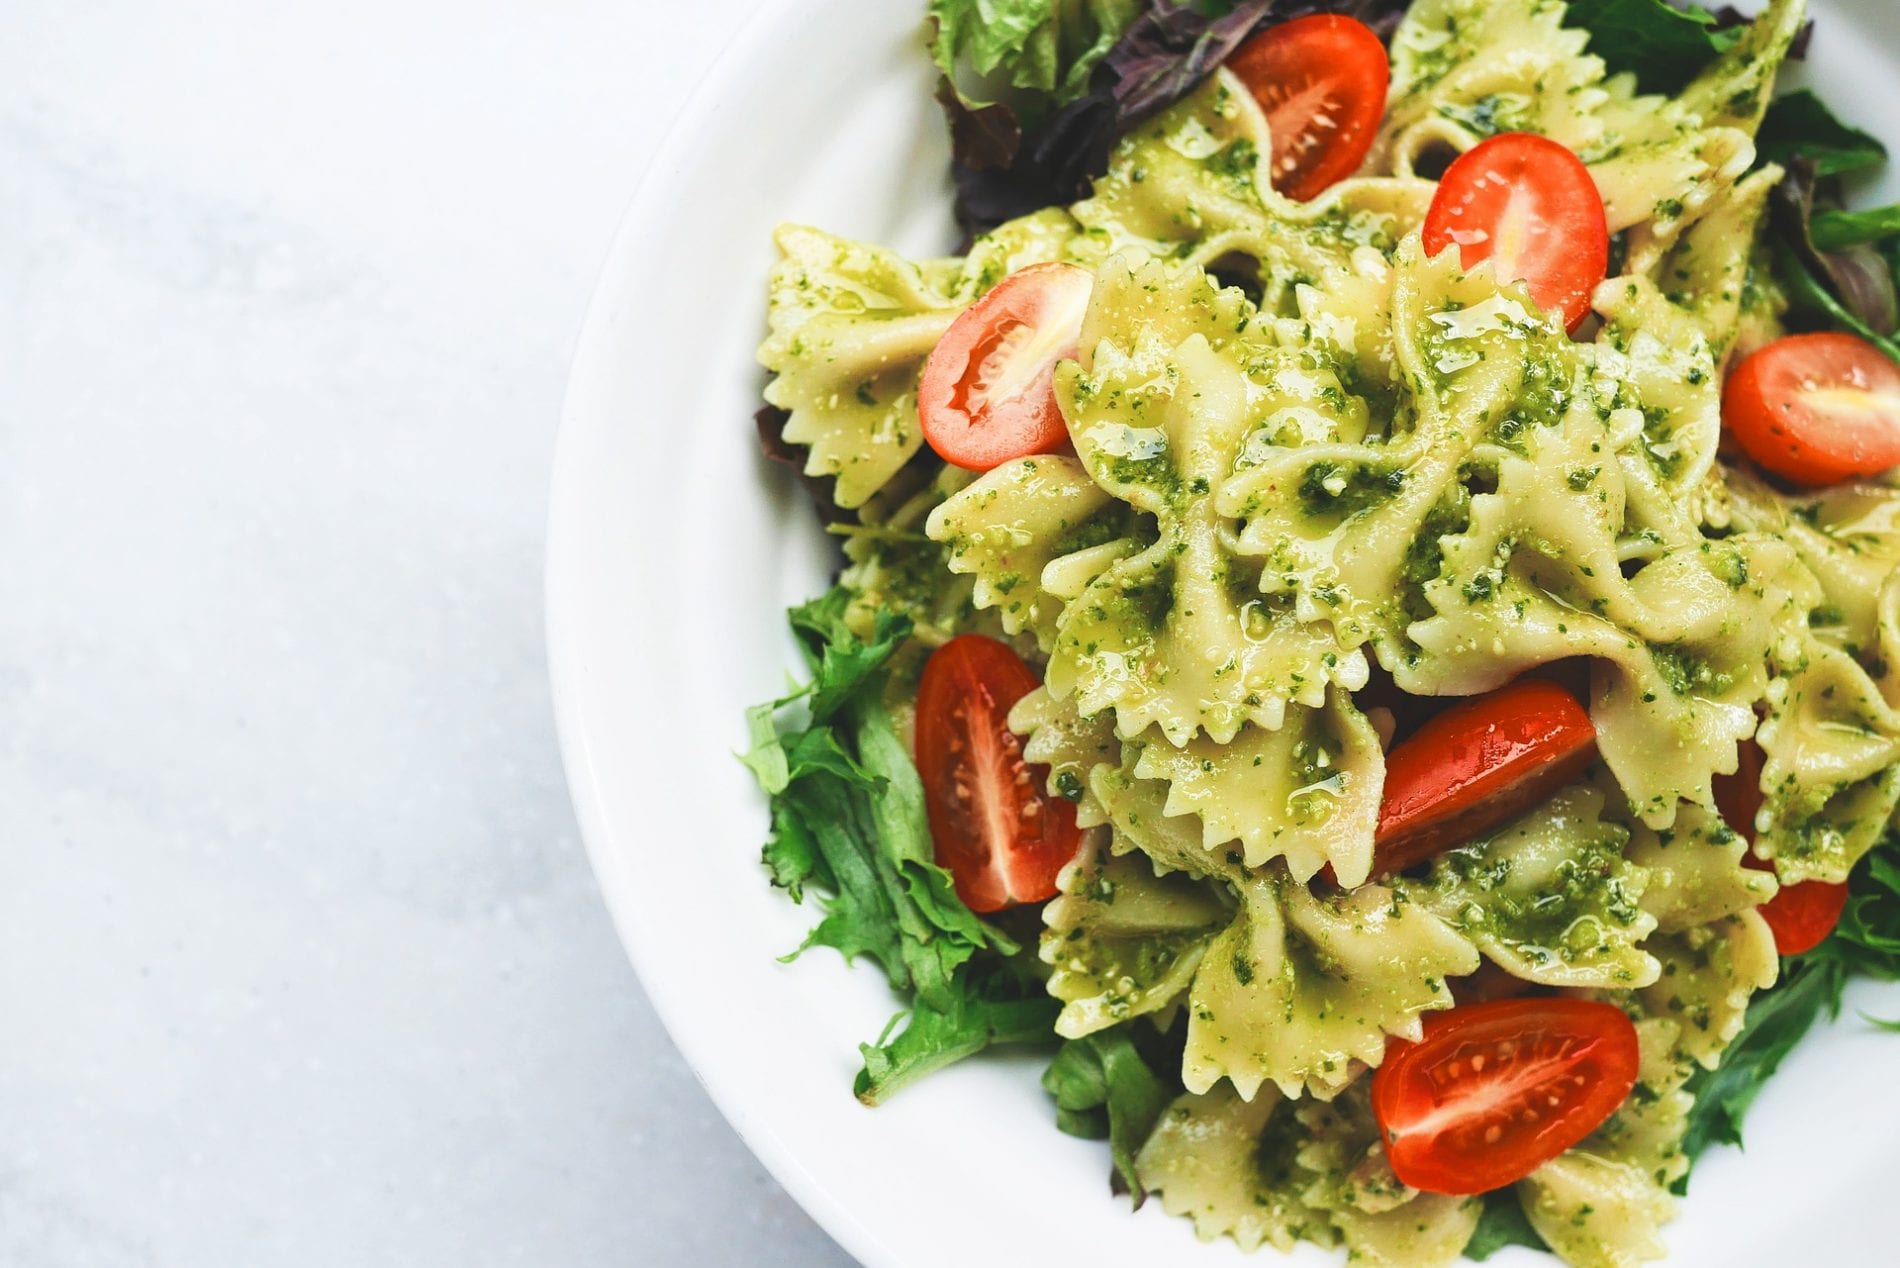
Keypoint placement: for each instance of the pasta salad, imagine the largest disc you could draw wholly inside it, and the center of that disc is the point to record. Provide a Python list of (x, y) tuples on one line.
[(1367, 619)]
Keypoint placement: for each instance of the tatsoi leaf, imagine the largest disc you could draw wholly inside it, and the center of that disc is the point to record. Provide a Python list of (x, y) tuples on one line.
[(1503, 1223), (1105, 1088), (989, 1002), (1664, 46), (1797, 124), (1835, 230)]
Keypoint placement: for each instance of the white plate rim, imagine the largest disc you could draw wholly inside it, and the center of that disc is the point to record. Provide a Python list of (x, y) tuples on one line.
[(583, 773)]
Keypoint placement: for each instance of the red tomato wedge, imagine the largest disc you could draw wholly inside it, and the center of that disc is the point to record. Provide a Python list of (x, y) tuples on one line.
[(1801, 915), (1321, 81), (1529, 206), (1480, 763), (988, 390), (1816, 409), (1002, 837), (1493, 1091)]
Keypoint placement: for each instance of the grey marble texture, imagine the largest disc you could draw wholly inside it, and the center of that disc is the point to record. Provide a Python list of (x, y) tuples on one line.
[(300, 959)]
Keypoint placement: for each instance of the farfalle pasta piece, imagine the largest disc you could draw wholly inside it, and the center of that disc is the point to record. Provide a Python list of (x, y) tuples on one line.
[(1303, 992), (1708, 975), (1122, 942), (1192, 186), (1343, 522), (1178, 636), (849, 326), (1550, 897), (1831, 779), (1071, 746), (1307, 792), (1603, 1203), (1696, 872), (1014, 521), (1232, 1167), (1381, 1220), (1297, 990)]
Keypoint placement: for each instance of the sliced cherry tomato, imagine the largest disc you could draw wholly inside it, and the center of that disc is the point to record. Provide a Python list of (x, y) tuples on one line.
[(1800, 915), (1321, 81), (1493, 1091), (1816, 409), (1002, 837), (1529, 206), (988, 391), (1738, 796), (1480, 763)]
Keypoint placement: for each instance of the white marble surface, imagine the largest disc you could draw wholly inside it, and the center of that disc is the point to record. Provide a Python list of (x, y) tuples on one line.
[(300, 959)]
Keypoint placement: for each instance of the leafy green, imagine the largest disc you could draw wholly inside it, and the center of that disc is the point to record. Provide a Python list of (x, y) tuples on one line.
[(1851, 288), (1503, 1223), (1808, 296), (1664, 46), (989, 1002), (1105, 1089), (848, 814), (1046, 47), (1866, 943), (1836, 230), (1777, 1020), (1798, 124)]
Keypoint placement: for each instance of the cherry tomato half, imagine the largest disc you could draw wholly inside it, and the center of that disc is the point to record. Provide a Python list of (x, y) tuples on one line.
[(1801, 915), (1321, 81), (1816, 409), (1493, 1091), (1002, 837), (988, 390), (1531, 207), (1478, 764)]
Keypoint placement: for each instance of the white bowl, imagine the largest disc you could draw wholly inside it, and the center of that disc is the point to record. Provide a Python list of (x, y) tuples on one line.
[(673, 550)]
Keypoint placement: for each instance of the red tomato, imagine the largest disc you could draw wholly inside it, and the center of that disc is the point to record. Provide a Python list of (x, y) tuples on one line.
[(988, 391), (1802, 915), (1002, 837), (1321, 82), (1478, 764), (1529, 206), (1816, 409), (1493, 1091)]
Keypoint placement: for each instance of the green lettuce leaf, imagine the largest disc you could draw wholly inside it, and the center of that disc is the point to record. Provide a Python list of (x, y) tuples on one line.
[(989, 1001), (1105, 1089), (1044, 47), (1664, 46), (1838, 230), (1502, 1223), (848, 816), (1797, 124)]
